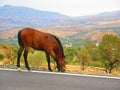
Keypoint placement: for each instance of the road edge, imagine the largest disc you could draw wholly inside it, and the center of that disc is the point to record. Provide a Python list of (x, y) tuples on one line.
[(60, 73)]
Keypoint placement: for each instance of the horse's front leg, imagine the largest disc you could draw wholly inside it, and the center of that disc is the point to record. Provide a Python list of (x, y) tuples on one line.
[(53, 55), (58, 66), (48, 60), (25, 58)]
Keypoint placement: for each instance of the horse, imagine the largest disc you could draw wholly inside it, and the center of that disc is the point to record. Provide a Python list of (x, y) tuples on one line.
[(50, 44)]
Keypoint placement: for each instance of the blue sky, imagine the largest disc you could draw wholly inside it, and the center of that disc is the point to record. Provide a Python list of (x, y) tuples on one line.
[(68, 7)]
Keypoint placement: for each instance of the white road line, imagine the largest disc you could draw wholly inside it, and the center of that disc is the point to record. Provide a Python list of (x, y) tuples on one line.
[(59, 73), (84, 75)]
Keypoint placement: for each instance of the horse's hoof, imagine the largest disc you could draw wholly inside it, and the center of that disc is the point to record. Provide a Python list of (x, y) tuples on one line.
[(29, 70), (19, 69), (50, 70)]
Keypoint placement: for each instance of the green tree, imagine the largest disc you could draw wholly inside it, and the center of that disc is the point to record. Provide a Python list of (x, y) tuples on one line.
[(110, 51), (84, 57), (93, 50), (70, 53)]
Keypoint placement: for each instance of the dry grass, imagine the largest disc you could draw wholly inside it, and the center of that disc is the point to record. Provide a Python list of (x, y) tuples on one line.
[(71, 69), (91, 70)]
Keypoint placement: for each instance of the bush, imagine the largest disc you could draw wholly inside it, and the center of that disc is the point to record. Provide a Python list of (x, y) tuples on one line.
[(37, 59), (70, 53), (1, 56), (97, 64)]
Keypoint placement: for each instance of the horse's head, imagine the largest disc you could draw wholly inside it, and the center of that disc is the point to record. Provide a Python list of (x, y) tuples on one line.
[(62, 63)]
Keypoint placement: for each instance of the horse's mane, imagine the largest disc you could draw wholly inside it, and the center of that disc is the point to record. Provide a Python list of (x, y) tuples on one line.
[(59, 44)]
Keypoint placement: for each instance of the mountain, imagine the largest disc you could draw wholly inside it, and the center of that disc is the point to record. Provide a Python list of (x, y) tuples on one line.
[(70, 29), (17, 16), (108, 17), (103, 22)]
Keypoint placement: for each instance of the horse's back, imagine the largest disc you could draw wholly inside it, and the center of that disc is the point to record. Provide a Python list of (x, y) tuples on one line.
[(37, 39), (27, 32)]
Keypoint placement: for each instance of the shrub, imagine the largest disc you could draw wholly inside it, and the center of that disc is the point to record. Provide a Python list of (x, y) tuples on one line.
[(1, 56), (97, 64), (37, 59)]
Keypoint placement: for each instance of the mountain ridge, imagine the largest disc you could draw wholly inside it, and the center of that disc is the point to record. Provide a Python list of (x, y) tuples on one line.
[(19, 16), (91, 27), (23, 16)]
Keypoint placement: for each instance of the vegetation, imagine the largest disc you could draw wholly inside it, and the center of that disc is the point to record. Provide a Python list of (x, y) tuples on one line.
[(37, 60), (1, 56), (106, 55), (110, 52), (70, 53), (84, 57)]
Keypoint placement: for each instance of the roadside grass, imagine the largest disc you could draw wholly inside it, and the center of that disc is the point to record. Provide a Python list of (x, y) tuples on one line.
[(91, 70), (37, 61)]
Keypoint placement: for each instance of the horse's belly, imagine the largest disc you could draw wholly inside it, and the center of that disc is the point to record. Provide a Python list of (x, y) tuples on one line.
[(38, 47)]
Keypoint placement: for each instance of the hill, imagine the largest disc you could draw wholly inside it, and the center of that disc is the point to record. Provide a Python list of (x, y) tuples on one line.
[(92, 27), (16, 16), (71, 30), (103, 21)]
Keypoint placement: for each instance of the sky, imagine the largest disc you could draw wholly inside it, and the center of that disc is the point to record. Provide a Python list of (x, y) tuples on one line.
[(68, 7)]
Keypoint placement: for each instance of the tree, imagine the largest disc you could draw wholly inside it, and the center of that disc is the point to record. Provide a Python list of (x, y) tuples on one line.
[(110, 51), (84, 57), (70, 52), (93, 50)]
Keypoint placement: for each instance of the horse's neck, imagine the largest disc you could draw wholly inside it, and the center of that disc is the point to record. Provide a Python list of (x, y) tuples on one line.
[(59, 53)]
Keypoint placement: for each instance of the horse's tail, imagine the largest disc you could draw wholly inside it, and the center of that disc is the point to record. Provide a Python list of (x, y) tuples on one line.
[(19, 39)]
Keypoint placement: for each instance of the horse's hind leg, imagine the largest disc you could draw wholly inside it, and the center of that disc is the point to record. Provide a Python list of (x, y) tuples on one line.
[(48, 60), (25, 58), (19, 55)]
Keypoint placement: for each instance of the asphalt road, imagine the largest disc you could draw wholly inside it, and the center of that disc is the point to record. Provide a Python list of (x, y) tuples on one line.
[(14, 80)]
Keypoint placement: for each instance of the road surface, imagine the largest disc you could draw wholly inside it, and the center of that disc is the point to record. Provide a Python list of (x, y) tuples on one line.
[(15, 80)]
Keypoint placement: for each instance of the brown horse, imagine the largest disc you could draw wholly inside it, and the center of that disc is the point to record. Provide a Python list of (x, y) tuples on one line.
[(29, 37)]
